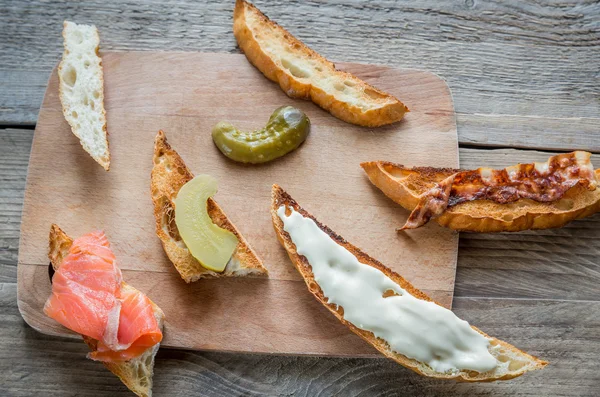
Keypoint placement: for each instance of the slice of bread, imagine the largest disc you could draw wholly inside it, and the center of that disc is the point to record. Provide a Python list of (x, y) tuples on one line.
[(81, 89), (512, 362), (169, 174), (406, 185), (137, 373), (302, 73)]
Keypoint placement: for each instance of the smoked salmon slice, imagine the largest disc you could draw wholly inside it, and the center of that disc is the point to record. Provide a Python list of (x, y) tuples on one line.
[(90, 298), (137, 331)]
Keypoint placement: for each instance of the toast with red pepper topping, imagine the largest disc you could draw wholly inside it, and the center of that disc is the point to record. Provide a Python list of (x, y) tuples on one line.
[(525, 196)]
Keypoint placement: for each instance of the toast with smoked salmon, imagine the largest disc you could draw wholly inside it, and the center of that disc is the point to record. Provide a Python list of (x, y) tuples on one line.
[(169, 174), (524, 196), (135, 373), (510, 362), (303, 73)]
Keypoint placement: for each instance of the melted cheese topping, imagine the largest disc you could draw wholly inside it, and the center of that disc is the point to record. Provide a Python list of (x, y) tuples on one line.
[(413, 327)]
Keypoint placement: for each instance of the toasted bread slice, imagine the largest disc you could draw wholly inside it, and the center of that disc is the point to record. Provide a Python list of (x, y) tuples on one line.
[(169, 174), (81, 89), (512, 362), (302, 73), (406, 185), (137, 373)]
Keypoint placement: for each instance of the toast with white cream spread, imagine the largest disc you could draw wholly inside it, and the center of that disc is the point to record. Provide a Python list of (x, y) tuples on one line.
[(386, 310)]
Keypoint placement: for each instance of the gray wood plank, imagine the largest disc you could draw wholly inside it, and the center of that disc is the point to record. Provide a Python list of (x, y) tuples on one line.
[(565, 333), (15, 146), (22, 94), (554, 263), (523, 74)]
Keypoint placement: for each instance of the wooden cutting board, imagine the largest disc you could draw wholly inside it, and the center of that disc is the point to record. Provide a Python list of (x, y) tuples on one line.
[(185, 94)]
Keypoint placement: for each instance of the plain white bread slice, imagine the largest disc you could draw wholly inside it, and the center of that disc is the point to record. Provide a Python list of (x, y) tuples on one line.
[(81, 89), (303, 73)]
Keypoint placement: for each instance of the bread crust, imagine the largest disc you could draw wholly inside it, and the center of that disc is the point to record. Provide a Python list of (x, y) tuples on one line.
[(390, 111), (404, 185), (169, 174), (137, 373), (280, 197)]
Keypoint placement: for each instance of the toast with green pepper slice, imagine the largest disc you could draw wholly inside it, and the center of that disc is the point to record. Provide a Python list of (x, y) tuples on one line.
[(169, 174)]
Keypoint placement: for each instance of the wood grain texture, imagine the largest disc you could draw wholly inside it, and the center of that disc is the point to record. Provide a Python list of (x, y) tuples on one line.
[(32, 363), (548, 264), (15, 146), (147, 91), (524, 74)]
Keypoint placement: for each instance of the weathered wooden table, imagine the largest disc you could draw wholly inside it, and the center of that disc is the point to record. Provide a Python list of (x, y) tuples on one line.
[(526, 80)]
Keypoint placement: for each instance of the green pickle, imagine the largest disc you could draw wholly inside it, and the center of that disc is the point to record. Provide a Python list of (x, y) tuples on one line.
[(287, 128)]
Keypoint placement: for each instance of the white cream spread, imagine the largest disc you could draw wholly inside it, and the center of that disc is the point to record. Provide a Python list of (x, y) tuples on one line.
[(418, 329)]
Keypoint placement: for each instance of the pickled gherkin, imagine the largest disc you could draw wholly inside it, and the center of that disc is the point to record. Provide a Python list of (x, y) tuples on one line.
[(286, 129)]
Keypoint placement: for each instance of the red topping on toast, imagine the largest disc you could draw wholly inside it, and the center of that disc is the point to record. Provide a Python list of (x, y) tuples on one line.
[(543, 182)]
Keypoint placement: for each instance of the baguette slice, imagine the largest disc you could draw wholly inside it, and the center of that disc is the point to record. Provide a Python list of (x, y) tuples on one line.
[(302, 73), (169, 174), (512, 361), (406, 185), (81, 89), (137, 373)]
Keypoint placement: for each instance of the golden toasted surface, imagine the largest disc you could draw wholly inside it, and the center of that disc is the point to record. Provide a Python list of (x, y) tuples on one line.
[(405, 186), (303, 73), (169, 174), (514, 361), (137, 373)]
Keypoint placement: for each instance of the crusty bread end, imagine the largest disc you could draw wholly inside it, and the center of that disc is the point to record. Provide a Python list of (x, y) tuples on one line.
[(81, 89), (513, 362), (303, 73), (404, 186), (137, 373), (169, 174)]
